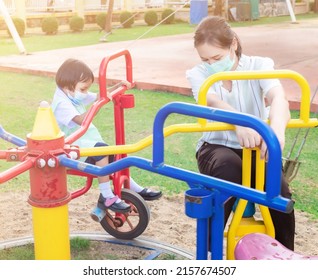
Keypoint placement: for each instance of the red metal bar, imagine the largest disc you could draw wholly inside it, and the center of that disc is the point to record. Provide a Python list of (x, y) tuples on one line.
[(16, 170), (103, 69), (3, 154), (87, 186), (87, 120)]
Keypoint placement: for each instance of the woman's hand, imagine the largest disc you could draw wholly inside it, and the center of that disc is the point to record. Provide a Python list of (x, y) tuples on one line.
[(247, 137), (281, 139)]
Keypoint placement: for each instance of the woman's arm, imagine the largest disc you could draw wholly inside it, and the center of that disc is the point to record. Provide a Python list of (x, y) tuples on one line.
[(279, 114), (246, 136)]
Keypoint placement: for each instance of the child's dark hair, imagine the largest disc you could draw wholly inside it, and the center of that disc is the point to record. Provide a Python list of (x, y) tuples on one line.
[(71, 72), (216, 31)]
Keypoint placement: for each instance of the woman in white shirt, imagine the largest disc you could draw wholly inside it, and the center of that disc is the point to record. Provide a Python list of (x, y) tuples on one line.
[(219, 153)]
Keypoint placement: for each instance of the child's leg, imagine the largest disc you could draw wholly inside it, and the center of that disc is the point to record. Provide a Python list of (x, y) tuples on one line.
[(103, 181), (145, 193), (108, 198), (101, 161), (134, 186)]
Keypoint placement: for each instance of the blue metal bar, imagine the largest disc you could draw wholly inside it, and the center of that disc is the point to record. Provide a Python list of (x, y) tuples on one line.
[(229, 188), (11, 138), (273, 174), (202, 238), (217, 227), (220, 188)]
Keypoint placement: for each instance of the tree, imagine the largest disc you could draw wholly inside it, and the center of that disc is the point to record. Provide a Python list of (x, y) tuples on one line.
[(108, 23), (218, 7), (316, 6)]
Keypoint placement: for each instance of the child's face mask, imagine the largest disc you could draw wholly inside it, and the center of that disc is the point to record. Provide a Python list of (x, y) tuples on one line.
[(77, 98)]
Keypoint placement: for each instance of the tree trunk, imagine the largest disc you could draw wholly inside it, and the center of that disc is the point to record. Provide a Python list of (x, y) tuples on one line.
[(218, 7), (108, 24), (316, 6)]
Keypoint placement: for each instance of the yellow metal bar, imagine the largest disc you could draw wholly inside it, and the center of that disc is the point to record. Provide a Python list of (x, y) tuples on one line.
[(240, 226), (203, 125), (256, 75), (260, 182), (51, 233), (172, 129), (179, 128), (238, 213)]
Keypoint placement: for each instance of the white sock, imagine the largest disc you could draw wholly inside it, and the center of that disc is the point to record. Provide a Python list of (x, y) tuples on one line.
[(106, 191), (134, 186)]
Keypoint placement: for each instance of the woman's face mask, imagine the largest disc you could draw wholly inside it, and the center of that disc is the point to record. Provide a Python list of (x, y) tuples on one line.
[(225, 64)]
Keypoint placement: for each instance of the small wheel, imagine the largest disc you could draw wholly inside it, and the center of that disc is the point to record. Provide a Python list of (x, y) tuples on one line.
[(128, 225)]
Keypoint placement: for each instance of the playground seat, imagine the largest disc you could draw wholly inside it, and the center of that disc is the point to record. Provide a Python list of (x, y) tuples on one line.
[(258, 246)]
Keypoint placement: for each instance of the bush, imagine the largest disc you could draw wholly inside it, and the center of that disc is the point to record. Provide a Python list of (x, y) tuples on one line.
[(151, 17), (50, 25), (76, 23), (168, 16), (126, 19), (101, 20), (19, 25)]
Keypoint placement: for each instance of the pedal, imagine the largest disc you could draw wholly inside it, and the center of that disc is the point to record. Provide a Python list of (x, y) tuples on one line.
[(98, 214)]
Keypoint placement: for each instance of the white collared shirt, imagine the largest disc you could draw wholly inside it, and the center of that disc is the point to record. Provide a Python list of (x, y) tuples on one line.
[(246, 96)]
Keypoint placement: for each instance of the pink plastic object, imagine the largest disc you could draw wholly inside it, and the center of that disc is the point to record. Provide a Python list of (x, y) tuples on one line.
[(258, 246)]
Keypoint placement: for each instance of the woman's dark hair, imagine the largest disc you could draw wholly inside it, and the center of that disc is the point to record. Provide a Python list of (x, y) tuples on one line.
[(71, 72), (216, 31)]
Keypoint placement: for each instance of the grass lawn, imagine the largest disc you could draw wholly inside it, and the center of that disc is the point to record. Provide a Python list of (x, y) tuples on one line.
[(19, 105)]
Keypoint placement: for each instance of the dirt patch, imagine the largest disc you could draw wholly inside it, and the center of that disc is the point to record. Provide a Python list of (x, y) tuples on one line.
[(168, 222)]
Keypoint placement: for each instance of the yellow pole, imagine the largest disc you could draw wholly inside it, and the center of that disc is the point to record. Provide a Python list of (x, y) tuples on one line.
[(51, 233), (49, 196)]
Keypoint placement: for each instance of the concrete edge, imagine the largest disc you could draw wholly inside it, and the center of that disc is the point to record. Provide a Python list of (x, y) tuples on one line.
[(138, 242), (293, 105)]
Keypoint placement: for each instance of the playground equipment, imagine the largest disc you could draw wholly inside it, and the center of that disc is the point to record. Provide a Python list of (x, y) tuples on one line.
[(291, 165), (50, 157), (258, 246), (205, 191), (50, 215), (11, 27), (243, 222), (122, 226)]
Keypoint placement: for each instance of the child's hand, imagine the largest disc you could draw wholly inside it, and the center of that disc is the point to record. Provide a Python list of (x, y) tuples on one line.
[(127, 84)]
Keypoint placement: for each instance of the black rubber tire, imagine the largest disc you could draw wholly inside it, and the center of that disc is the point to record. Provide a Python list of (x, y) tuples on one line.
[(138, 217)]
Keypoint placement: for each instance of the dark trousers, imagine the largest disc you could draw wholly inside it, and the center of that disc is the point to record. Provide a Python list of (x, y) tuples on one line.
[(226, 163), (94, 159)]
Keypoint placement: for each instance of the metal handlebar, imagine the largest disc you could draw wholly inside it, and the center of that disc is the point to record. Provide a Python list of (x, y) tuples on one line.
[(103, 70)]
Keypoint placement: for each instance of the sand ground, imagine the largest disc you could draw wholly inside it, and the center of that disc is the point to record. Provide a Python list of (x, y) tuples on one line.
[(168, 222)]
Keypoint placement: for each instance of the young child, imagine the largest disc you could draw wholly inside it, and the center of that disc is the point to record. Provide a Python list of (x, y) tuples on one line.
[(73, 80)]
